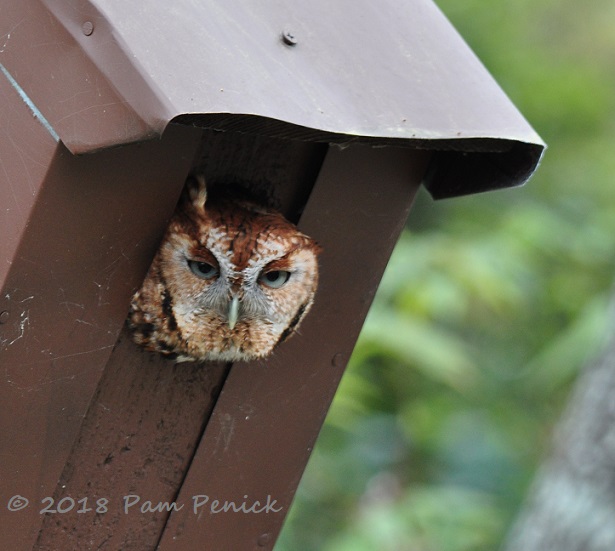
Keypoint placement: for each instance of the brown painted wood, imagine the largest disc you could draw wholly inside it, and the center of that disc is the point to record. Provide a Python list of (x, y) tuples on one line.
[(268, 416), (135, 445), (26, 151), (90, 236)]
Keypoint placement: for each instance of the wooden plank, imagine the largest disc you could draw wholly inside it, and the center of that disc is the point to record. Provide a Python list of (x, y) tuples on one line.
[(26, 151), (269, 413), (90, 237), (135, 445)]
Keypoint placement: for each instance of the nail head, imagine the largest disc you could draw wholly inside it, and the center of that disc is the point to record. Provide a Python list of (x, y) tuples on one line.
[(87, 28), (289, 38), (4, 316)]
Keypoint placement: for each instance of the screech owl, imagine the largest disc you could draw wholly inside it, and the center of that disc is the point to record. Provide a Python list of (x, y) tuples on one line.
[(230, 281)]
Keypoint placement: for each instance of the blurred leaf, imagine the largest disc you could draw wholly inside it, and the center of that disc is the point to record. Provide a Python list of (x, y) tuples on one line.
[(557, 363), (438, 354), (426, 519)]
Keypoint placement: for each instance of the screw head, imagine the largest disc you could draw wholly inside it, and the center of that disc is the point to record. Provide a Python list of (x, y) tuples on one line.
[(289, 38), (87, 28), (263, 540)]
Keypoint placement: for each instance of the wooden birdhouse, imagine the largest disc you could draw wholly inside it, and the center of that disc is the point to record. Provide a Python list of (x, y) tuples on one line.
[(338, 110)]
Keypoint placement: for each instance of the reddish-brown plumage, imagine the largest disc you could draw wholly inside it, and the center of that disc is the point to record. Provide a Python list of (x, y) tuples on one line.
[(230, 280)]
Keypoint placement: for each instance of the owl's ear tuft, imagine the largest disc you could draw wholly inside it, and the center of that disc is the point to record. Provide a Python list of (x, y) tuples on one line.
[(197, 190)]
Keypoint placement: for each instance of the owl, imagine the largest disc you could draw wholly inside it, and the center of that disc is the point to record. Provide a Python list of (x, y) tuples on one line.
[(231, 280)]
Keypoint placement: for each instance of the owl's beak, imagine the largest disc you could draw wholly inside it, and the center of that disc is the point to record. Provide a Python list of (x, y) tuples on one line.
[(233, 312)]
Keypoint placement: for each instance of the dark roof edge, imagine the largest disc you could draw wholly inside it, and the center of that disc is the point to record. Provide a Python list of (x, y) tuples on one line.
[(457, 173), (460, 165)]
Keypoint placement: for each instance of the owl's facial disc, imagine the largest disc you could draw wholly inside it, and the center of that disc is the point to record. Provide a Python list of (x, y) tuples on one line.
[(230, 281)]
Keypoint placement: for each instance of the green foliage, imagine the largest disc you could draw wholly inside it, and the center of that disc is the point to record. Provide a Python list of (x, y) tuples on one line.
[(490, 306)]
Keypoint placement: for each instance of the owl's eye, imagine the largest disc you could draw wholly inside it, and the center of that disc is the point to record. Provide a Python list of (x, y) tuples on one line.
[(274, 279), (202, 270)]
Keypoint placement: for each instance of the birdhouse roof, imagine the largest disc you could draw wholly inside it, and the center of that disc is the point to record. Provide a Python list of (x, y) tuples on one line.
[(105, 73)]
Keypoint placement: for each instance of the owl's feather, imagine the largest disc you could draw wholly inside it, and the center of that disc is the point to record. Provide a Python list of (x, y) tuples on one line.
[(230, 281)]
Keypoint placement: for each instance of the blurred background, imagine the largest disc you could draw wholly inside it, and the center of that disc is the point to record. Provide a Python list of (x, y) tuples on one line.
[(490, 307)]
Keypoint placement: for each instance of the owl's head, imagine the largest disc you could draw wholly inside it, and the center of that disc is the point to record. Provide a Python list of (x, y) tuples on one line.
[(230, 281)]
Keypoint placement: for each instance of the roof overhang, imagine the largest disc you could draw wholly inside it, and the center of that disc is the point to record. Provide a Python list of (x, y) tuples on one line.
[(106, 73)]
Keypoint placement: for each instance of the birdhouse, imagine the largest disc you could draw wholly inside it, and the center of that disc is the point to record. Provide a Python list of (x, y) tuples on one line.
[(337, 111)]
